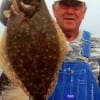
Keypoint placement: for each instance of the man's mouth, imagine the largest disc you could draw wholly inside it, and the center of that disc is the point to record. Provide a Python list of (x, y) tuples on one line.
[(69, 18)]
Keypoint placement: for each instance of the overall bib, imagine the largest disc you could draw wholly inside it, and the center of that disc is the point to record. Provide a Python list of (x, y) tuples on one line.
[(76, 80)]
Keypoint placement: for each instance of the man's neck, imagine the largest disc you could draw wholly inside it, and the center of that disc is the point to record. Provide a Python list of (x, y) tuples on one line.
[(71, 35)]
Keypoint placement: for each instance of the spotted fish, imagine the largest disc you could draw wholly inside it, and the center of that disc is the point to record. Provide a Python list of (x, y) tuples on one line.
[(32, 49)]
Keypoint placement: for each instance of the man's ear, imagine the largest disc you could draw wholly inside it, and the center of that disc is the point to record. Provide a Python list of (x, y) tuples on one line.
[(85, 9)]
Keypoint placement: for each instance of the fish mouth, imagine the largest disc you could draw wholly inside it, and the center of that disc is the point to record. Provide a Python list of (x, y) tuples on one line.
[(29, 8)]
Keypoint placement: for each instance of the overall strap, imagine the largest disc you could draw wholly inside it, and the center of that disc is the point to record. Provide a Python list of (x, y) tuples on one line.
[(86, 45)]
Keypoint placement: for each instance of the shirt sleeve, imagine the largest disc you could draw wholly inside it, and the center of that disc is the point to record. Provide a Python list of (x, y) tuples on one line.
[(95, 55)]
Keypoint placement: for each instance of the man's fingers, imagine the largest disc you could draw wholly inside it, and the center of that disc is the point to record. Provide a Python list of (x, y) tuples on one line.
[(14, 10), (15, 6)]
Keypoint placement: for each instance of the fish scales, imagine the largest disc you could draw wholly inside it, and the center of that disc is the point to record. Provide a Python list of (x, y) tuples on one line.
[(32, 49)]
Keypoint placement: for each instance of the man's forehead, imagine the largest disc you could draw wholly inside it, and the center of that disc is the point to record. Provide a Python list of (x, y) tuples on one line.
[(72, 0)]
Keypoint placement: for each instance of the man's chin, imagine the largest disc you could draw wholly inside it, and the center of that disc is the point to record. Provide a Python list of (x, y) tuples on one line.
[(68, 29)]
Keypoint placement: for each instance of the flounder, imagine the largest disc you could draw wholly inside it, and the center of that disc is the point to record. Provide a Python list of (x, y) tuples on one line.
[(32, 49)]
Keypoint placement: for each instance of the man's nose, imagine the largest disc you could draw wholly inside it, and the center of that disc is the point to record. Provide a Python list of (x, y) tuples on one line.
[(70, 9)]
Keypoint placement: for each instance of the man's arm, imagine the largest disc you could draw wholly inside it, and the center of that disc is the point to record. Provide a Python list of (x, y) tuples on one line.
[(5, 5)]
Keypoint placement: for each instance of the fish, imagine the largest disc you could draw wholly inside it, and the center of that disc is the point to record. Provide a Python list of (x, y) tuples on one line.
[(32, 49)]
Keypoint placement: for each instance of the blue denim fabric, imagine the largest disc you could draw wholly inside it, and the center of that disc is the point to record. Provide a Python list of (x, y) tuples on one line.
[(76, 82), (86, 45)]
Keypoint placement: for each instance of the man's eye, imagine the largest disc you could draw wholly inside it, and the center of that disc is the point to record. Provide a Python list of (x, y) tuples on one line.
[(61, 3), (78, 4), (74, 4)]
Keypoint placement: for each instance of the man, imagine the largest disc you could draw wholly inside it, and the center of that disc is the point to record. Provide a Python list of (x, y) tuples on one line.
[(69, 15), (73, 78)]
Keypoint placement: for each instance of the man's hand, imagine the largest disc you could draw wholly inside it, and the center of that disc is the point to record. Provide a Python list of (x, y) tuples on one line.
[(5, 6), (15, 8)]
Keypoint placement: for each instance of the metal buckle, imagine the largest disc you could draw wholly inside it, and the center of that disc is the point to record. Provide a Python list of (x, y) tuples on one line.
[(85, 59)]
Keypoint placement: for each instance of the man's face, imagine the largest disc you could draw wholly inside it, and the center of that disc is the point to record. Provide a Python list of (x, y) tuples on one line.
[(69, 14)]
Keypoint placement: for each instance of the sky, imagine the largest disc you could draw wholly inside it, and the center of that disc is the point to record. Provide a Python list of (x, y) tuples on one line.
[(91, 20)]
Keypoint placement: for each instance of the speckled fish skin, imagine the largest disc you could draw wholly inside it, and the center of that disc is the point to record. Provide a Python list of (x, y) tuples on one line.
[(32, 50)]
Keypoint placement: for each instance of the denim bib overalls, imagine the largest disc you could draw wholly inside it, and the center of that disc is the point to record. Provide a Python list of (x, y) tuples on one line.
[(76, 80)]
